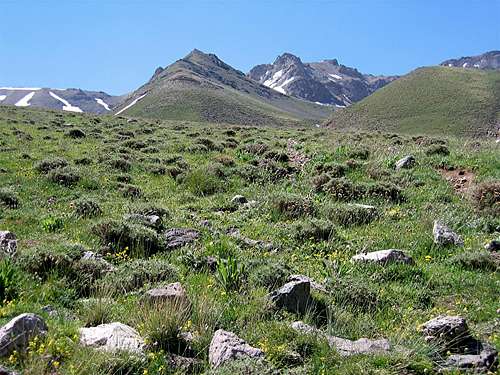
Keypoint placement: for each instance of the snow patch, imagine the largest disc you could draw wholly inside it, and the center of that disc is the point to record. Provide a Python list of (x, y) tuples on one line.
[(476, 65), (340, 106), (131, 104), (450, 65), (25, 102), (465, 65), (2, 97), (272, 81), (101, 102), (335, 76), (66, 107)]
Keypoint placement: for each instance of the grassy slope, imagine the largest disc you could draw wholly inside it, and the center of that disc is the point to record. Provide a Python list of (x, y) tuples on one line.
[(436, 100), (365, 301)]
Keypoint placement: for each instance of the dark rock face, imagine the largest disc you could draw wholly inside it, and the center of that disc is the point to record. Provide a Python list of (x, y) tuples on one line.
[(294, 296), (325, 82), (486, 61)]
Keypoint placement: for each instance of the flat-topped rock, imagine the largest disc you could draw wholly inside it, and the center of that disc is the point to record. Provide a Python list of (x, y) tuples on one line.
[(112, 337), (448, 331), (484, 361), (383, 257), (314, 285), (174, 293), (226, 346), (178, 237), (346, 347)]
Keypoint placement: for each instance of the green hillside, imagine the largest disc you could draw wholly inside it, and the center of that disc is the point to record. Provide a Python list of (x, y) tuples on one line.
[(201, 87), (435, 100)]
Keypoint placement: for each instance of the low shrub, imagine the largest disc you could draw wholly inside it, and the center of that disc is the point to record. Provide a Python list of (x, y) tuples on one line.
[(487, 197), (66, 176), (315, 230), (352, 214), (201, 182), (121, 164), (129, 191), (437, 149), (291, 207), (86, 207), (268, 274), (52, 224), (46, 165), (75, 133), (476, 261)]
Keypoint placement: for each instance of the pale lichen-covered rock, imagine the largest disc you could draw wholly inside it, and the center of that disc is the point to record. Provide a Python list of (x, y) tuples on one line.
[(444, 235), (174, 293), (448, 331), (226, 346), (383, 257), (112, 337), (405, 163), (8, 244)]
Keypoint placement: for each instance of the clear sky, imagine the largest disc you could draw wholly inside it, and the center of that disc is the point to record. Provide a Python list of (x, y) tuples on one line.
[(115, 45)]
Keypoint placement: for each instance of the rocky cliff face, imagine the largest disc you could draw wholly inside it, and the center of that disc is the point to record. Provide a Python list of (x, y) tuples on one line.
[(486, 61), (325, 82)]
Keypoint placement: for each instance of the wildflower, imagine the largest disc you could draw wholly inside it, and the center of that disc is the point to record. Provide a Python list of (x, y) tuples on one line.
[(56, 364), (428, 258)]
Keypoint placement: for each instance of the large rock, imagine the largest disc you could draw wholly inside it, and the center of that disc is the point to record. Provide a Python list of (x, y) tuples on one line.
[(405, 163), (8, 243), (294, 296), (448, 332), (17, 333), (226, 346), (383, 257), (444, 235), (112, 337), (174, 293), (239, 200), (179, 237), (346, 347), (314, 285)]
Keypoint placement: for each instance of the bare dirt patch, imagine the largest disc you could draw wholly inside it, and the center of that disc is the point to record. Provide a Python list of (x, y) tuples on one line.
[(462, 180)]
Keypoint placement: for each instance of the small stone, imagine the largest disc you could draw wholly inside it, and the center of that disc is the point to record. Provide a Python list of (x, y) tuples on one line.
[(239, 199), (493, 245), (445, 236), (383, 257), (17, 333), (151, 221), (294, 296), (484, 361), (8, 244), (405, 163), (226, 346), (171, 293), (178, 237), (112, 337)]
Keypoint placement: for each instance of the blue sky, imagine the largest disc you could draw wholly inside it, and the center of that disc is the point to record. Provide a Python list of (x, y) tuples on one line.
[(115, 46)]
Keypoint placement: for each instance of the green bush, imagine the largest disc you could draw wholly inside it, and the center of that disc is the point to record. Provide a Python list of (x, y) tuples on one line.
[(52, 224), (476, 261), (48, 164), (8, 198), (351, 214), (66, 176), (230, 273), (86, 207), (137, 273), (291, 207), (118, 235), (315, 230), (487, 197), (268, 274), (202, 182), (437, 150), (121, 164)]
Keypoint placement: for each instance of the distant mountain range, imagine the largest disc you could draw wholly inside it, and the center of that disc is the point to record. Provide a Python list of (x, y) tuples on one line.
[(71, 100), (201, 87), (486, 61), (325, 82)]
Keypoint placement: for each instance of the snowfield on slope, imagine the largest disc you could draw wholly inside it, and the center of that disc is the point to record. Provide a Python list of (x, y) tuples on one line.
[(66, 107), (101, 102), (131, 104), (25, 101)]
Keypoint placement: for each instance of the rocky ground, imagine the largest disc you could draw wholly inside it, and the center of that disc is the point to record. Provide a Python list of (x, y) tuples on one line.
[(148, 247)]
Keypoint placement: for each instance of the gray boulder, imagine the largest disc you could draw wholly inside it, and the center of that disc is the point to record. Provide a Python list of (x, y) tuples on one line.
[(383, 257), (405, 163), (6, 371), (112, 337), (174, 293), (17, 333), (343, 346), (314, 285), (8, 244), (448, 332), (294, 296), (444, 235), (226, 346), (178, 237), (493, 245)]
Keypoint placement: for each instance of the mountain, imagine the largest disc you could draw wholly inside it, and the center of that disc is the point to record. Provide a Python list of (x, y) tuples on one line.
[(325, 82), (432, 100), (201, 87), (488, 60), (71, 100)]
